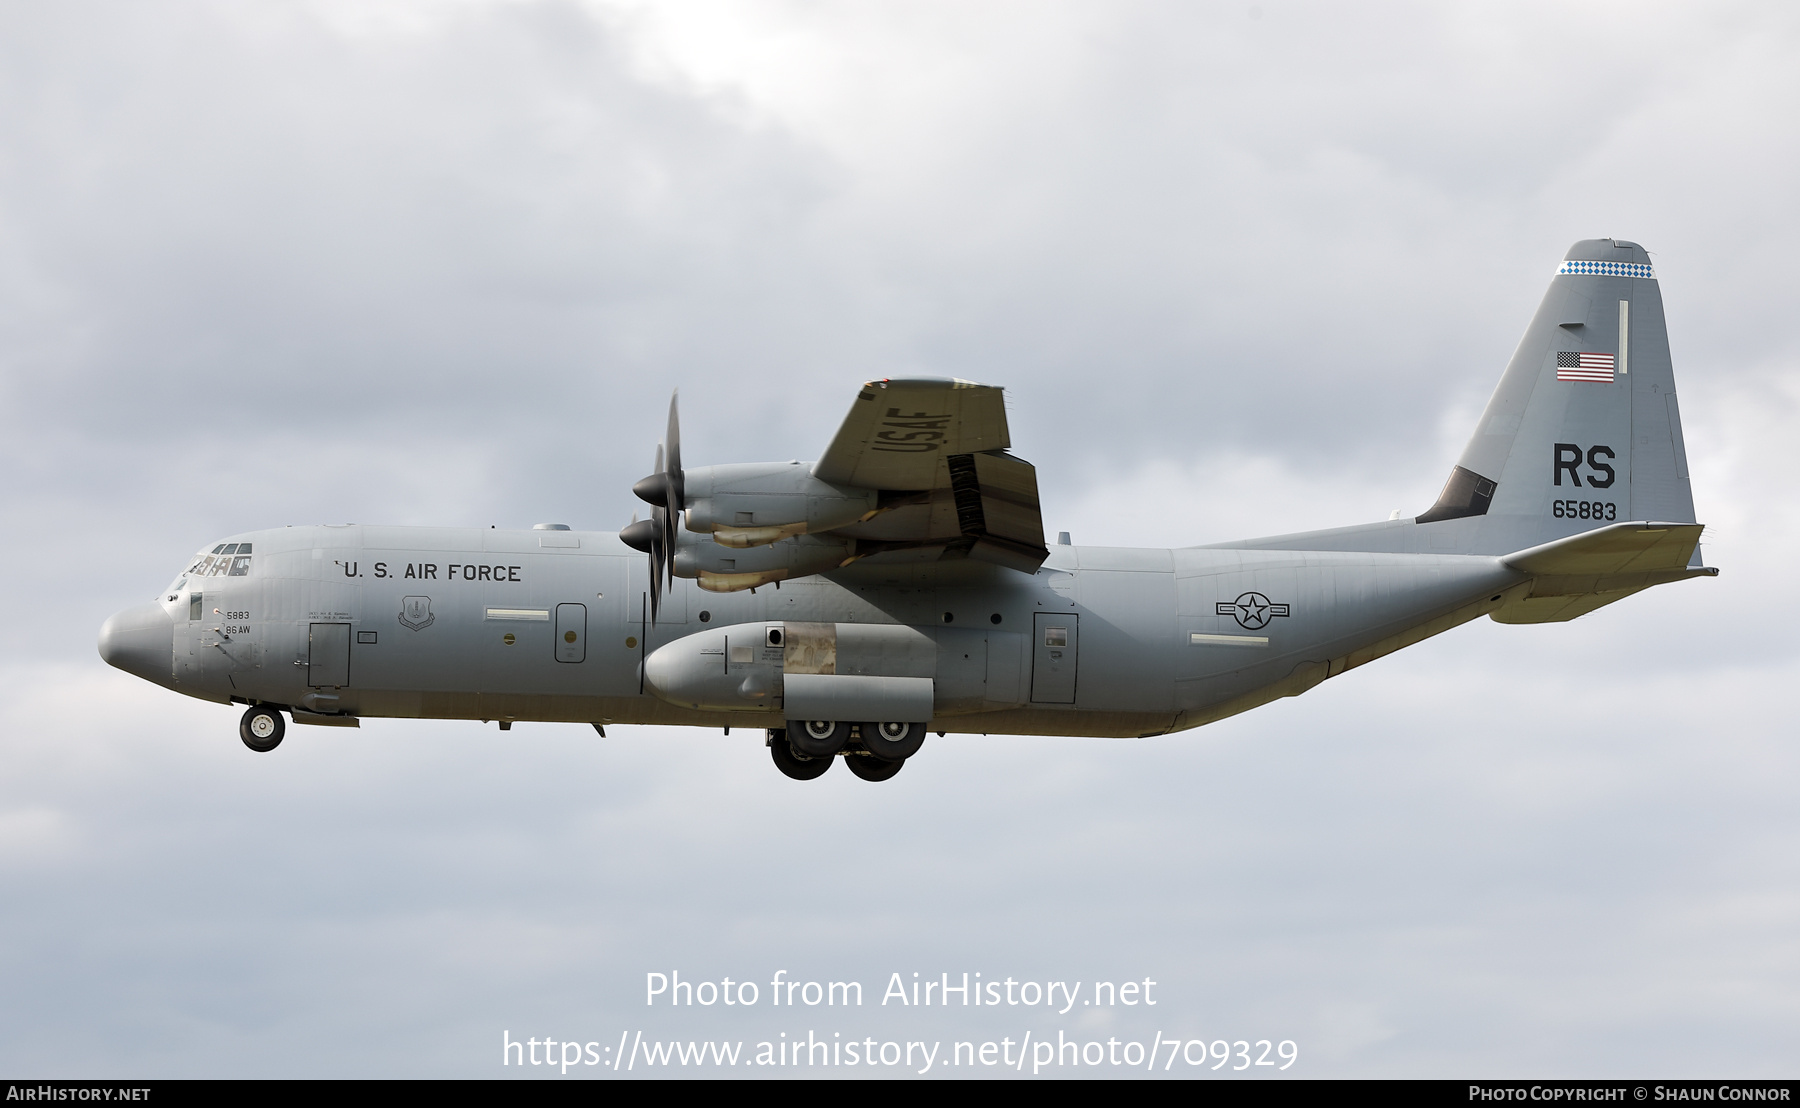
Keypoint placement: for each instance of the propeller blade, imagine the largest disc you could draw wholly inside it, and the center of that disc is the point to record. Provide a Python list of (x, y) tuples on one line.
[(675, 486), (659, 522), (668, 543)]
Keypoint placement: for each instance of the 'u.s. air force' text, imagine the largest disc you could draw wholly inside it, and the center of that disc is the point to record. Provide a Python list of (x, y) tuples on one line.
[(428, 571)]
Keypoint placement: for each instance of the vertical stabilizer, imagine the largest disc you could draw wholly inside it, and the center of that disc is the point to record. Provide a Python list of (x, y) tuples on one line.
[(1584, 428), (1582, 431)]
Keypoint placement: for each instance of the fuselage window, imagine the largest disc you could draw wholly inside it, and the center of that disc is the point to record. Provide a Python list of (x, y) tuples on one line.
[(194, 605)]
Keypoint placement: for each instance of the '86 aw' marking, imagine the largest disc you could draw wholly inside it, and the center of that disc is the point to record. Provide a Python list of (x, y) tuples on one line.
[(1253, 610)]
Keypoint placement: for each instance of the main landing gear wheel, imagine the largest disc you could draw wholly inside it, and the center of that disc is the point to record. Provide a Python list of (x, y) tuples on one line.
[(261, 729), (801, 767), (818, 738), (893, 742), (871, 768)]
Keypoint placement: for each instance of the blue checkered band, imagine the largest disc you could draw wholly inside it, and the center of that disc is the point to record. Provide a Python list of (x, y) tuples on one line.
[(1608, 269)]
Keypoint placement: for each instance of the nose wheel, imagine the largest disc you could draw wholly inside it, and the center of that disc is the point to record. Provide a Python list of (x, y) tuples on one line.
[(262, 728)]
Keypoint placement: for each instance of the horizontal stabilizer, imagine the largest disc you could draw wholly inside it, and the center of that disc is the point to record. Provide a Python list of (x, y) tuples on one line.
[(1615, 549), (1576, 575)]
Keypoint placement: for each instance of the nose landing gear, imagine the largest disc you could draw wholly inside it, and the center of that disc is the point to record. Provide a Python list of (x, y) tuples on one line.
[(262, 728)]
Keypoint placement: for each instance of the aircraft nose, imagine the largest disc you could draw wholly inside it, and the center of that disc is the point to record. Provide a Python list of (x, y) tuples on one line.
[(140, 641)]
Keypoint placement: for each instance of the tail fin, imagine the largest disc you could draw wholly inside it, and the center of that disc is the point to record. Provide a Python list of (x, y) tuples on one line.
[(1584, 428), (1582, 431)]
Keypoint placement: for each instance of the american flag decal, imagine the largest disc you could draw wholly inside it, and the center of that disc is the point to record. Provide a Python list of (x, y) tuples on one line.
[(1571, 366)]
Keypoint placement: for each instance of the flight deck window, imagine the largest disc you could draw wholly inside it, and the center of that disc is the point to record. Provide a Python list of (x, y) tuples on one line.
[(228, 559)]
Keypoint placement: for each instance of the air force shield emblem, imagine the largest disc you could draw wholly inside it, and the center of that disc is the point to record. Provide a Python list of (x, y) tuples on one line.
[(415, 612)]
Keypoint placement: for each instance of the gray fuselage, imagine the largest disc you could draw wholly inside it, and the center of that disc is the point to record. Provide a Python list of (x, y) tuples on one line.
[(456, 623)]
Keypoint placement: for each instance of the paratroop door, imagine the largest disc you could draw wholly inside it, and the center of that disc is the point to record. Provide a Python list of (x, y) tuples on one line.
[(571, 632), (1053, 659)]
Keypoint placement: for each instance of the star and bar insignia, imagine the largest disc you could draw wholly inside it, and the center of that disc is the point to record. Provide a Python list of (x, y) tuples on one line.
[(1252, 610)]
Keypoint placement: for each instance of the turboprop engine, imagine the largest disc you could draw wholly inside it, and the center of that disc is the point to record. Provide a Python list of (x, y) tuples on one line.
[(763, 519), (718, 568), (758, 503)]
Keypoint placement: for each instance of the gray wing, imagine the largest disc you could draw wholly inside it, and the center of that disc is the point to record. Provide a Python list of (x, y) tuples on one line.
[(935, 450)]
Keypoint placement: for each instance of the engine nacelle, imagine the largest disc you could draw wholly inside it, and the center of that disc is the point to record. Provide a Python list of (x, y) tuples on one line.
[(722, 569), (758, 503)]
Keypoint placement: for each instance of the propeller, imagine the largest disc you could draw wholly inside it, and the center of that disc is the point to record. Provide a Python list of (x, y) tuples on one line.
[(665, 491)]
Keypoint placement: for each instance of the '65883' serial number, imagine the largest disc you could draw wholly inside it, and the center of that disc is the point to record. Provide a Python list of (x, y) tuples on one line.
[(1584, 509)]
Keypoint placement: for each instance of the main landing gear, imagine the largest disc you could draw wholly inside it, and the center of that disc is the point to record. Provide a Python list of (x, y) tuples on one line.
[(262, 728), (805, 749)]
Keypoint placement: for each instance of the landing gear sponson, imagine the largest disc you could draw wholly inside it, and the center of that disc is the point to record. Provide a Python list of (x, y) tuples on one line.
[(804, 749)]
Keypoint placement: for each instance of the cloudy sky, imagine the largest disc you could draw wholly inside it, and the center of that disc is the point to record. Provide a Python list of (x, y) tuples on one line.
[(1244, 268)]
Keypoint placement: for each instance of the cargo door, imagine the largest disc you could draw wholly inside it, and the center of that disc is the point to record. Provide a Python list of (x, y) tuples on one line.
[(328, 656), (571, 632), (1053, 659)]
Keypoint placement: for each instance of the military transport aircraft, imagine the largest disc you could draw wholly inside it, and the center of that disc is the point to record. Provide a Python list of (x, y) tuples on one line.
[(901, 583)]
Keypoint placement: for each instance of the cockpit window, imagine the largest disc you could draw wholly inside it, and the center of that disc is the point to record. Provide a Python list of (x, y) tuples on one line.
[(228, 559)]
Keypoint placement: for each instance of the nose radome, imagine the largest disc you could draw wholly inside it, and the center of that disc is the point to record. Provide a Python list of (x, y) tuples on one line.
[(140, 641)]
